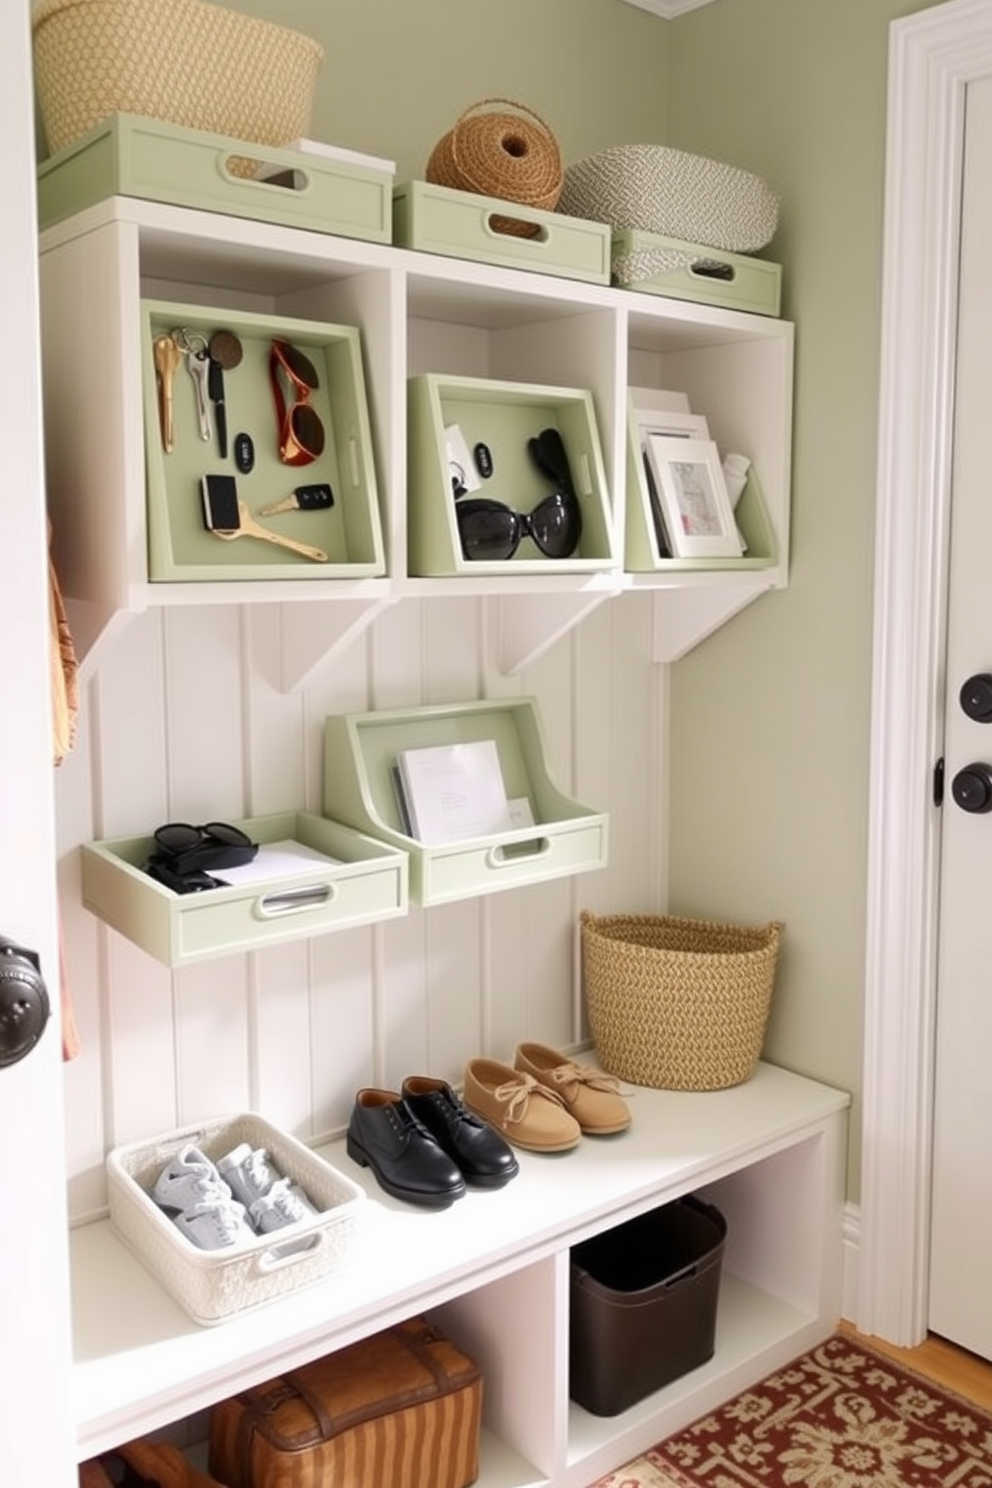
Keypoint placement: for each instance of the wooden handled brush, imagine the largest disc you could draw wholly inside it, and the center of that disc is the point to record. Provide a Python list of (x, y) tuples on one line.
[(227, 516)]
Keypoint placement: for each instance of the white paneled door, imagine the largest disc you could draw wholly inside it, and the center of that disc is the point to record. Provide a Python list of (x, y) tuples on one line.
[(36, 1433), (961, 1223)]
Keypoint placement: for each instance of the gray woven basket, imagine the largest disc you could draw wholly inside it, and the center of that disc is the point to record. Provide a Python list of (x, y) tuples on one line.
[(677, 1003), (673, 194)]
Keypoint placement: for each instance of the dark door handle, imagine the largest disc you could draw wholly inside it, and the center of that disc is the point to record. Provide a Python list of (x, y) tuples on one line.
[(24, 1005), (975, 697), (972, 788)]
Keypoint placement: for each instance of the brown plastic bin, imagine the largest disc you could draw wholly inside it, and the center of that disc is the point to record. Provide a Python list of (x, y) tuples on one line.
[(643, 1304)]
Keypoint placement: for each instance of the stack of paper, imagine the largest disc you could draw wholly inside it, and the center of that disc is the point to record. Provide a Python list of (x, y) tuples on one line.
[(453, 791)]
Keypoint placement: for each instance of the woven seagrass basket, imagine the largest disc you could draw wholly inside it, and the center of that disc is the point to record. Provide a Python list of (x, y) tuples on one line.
[(183, 61), (511, 156), (677, 1003)]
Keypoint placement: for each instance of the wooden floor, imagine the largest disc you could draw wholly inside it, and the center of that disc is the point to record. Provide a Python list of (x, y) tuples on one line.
[(954, 1368)]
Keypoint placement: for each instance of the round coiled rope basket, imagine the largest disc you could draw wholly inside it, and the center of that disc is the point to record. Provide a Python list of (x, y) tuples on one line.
[(677, 1003), (511, 156)]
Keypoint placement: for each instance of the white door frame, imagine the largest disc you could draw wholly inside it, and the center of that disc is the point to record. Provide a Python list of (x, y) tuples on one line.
[(932, 58)]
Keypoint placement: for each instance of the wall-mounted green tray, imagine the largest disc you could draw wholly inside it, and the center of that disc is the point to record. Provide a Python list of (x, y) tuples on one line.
[(128, 155), (360, 751), (368, 882), (462, 224), (180, 547), (502, 416)]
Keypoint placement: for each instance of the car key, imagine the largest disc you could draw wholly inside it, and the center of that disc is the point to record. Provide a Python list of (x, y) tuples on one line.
[(304, 498)]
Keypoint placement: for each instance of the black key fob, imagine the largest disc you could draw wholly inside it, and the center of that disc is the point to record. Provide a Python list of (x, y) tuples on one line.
[(483, 460), (244, 452), (314, 498)]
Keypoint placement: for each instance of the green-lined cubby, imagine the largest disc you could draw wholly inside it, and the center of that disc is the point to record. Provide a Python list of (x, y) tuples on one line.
[(369, 881), (360, 751), (503, 416), (180, 547)]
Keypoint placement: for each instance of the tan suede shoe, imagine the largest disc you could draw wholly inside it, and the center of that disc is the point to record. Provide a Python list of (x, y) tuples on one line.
[(589, 1095), (522, 1109)]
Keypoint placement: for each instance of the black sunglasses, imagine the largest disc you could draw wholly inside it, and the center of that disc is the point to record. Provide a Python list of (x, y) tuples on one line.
[(490, 529), (185, 855)]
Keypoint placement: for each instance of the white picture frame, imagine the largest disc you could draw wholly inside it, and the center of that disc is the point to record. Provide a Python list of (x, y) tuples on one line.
[(692, 496), (657, 411)]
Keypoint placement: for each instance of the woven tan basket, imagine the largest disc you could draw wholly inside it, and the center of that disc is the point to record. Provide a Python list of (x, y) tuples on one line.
[(678, 1003), (510, 156), (183, 61)]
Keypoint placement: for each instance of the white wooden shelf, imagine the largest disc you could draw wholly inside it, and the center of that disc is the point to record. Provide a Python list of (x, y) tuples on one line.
[(416, 313), (493, 1269)]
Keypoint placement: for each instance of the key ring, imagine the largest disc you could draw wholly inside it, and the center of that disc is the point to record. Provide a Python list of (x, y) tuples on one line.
[(190, 342)]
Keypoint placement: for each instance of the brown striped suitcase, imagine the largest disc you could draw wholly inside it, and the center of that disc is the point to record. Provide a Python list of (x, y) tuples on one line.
[(402, 1409)]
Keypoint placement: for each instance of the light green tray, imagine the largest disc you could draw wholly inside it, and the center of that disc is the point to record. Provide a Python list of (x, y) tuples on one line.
[(503, 416), (369, 882), (360, 751), (179, 545), (688, 271), (641, 551), (461, 224), (131, 156)]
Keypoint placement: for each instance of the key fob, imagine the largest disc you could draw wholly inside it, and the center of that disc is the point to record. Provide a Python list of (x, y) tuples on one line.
[(314, 498), (244, 452), (483, 460)]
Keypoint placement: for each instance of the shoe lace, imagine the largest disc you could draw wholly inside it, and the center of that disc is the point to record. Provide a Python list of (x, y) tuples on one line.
[(516, 1094), (227, 1217), (282, 1198), (570, 1075)]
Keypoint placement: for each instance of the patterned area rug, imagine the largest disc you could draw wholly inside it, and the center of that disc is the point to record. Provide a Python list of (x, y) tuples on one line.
[(841, 1416)]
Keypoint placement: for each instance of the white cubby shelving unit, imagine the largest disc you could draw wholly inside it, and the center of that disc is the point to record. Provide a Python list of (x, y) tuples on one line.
[(495, 1268), (417, 313)]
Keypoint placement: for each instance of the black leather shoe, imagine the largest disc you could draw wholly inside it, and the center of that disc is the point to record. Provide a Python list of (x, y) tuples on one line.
[(384, 1135), (486, 1161)]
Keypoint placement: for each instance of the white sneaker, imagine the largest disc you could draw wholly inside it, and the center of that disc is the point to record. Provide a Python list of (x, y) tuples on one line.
[(248, 1173), (284, 1204), (188, 1180), (215, 1225)]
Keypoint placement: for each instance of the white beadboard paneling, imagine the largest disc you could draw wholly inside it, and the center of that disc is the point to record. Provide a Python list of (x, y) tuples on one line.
[(280, 1081), (211, 1011), (506, 987), (343, 993), (454, 977), (397, 677), (453, 650), (275, 739), (401, 999), (204, 655), (139, 1056), (129, 760), (637, 879)]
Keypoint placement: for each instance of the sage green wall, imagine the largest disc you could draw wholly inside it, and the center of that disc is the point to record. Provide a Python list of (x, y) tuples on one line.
[(398, 73), (771, 715)]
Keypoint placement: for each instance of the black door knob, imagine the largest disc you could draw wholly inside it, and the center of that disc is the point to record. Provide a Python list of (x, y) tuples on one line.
[(24, 1006), (976, 697), (972, 788)]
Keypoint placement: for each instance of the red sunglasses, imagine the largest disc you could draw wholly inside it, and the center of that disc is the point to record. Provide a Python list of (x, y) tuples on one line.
[(301, 433)]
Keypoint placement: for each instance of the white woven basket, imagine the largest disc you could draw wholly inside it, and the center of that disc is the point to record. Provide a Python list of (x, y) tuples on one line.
[(190, 63), (212, 1285), (673, 194)]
